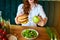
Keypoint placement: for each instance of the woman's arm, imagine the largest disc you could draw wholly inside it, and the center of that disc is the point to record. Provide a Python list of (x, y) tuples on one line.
[(42, 16), (19, 12)]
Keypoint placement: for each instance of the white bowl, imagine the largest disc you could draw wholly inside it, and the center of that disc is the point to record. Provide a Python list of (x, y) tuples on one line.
[(29, 38)]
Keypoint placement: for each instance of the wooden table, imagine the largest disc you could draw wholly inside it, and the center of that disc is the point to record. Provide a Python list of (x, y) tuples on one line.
[(16, 30)]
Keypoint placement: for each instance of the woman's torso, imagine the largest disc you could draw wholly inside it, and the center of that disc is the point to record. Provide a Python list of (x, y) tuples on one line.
[(33, 12)]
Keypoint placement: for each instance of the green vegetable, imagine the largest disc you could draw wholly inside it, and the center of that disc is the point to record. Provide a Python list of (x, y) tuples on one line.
[(51, 34), (29, 33)]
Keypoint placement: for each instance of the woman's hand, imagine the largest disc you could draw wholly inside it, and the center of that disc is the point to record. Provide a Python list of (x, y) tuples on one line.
[(42, 21), (16, 21), (21, 19), (16, 18)]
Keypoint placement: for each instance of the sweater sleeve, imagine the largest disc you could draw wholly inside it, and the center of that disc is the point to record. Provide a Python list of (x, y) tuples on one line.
[(41, 12), (20, 10)]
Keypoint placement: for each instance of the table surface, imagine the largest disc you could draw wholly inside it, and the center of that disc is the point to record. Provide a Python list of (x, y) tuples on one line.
[(16, 30)]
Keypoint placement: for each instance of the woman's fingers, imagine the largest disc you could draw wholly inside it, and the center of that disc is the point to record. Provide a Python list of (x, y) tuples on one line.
[(16, 21), (41, 19), (41, 23)]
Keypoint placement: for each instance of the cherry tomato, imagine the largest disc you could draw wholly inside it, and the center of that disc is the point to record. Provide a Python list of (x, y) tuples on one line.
[(1, 36), (1, 30), (4, 32), (4, 38)]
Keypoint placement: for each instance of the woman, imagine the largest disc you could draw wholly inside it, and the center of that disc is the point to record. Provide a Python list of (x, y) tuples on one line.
[(32, 8)]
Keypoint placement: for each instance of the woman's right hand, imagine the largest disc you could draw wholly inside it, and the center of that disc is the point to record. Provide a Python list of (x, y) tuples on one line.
[(16, 19), (21, 19)]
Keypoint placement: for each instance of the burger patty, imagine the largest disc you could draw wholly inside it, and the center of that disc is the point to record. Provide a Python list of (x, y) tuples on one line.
[(22, 20)]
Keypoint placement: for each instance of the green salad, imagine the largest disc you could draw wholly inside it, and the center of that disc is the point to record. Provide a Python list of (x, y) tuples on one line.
[(29, 33)]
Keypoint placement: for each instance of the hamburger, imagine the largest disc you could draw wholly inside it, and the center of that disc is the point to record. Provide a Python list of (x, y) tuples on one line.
[(23, 19)]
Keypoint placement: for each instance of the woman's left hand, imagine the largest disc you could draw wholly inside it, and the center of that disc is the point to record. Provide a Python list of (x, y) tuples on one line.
[(42, 21)]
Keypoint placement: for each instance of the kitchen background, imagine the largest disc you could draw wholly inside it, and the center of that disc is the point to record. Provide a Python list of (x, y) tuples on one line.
[(51, 8)]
